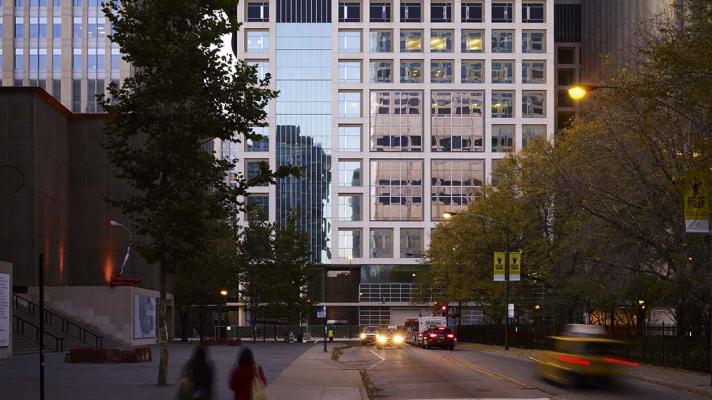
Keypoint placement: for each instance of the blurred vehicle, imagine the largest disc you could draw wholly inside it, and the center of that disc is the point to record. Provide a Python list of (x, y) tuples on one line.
[(439, 337), (368, 335), (415, 328), (389, 338), (582, 354)]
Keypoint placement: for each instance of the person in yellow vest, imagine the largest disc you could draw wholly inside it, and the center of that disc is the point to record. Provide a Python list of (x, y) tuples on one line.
[(330, 334)]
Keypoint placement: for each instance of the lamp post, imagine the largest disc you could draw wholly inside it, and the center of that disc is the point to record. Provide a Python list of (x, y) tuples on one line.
[(223, 293), (128, 248), (449, 215)]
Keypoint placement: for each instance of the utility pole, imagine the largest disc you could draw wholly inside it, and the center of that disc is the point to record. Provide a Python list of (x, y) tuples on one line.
[(506, 282), (41, 338)]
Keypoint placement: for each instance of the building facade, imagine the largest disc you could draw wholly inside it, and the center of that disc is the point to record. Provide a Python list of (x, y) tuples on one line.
[(397, 112), (60, 46)]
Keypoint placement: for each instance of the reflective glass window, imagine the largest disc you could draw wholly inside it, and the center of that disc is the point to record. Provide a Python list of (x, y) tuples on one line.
[(472, 42), (441, 71), (258, 144), (564, 100), (457, 122), (77, 27), (410, 12), (19, 27), (396, 190), (380, 41), (566, 55), (502, 104), (411, 243), (257, 207), (257, 41), (411, 71), (350, 71), (502, 41), (533, 71), (533, 104), (350, 207), (56, 60), (502, 138), (349, 173), (350, 41), (532, 12), (381, 71), (57, 27), (349, 11), (262, 68), (472, 71), (441, 41), (502, 12), (380, 12), (350, 243), (471, 12), (411, 41), (253, 170), (350, 138), (76, 60), (533, 42), (349, 104), (258, 11), (380, 243), (531, 132), (441, 12), (454, 184), (396, 122), (565, 77), (502, 71)]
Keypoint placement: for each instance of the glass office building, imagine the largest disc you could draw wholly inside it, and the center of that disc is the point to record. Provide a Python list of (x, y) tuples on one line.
[(396, 111)]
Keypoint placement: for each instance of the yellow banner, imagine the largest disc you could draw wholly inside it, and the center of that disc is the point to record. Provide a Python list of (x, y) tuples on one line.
[(515, 265), (499, 266), (697, 208)]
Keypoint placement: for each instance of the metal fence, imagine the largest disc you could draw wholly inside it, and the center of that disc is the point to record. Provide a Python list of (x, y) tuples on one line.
[(271, 332), (673, 346)]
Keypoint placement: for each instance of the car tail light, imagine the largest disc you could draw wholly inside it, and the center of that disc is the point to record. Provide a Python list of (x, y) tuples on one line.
[(433, 335), (574, 360), (420, 334), (450, 335), (621, 362)]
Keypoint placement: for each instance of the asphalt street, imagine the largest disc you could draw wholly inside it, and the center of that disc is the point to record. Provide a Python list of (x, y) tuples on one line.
[(413, 373)]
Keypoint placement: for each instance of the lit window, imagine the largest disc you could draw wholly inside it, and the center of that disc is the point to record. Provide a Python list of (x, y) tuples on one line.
[(350, 41), (534, 72), (472, 42), (350, 71), (533, 104), (257, 41), (502, 71), (502, 104), (472, 71), (502, 138), (441, 41), (441, 72), (411, 41), (349, 104)]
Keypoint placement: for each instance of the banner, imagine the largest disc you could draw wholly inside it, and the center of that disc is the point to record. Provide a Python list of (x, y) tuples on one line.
[(5, 310), (515, 265), (498, 266), (144, 317), (697, 210)]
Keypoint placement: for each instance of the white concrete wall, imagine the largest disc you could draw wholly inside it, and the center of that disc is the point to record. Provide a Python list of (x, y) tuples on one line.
[(6, 268)]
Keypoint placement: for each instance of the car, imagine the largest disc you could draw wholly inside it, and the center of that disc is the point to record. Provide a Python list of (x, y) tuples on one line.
[(389, 338), (368, 335), (582, 354), (439, 337)]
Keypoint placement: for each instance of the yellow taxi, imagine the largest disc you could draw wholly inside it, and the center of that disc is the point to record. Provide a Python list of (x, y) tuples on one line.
[(582, 354)]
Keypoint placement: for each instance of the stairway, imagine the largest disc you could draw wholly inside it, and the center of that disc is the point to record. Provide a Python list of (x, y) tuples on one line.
[(73, 332)]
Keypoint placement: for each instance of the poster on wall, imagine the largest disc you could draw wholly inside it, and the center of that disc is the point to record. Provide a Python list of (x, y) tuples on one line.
[(4, 310), (144, 317)]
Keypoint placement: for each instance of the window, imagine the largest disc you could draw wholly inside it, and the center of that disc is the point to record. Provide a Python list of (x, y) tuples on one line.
[(350, 41), (253, 170), (532, 132), (457, 123), (502, 41), (350, 207), (564, 100), (257, 207), (411, 243), (441, 41), (350, 243), (349, 12), (472, 71), (533, 104), (381, 71), (533, 42), (380, 12), (76, 60), (396, 121), (566, 77), (19, 55), (349, 104), (564, 119), (566, 55), (349, 173), (502, 71), (77, 27), (350, 71), (410, 12), (380, 243), (533, 71), (77, 95), (472, 42), (502, 138), (257, 41), (19, 27), (502, 104), (258, 11), (56, 60), (258, 143), (57, 27), (454, 184), (350, 138), (411, 41), (532, 12), (502, 12), (396, 190), (380, 41), (411, 71), (262, 67), (115, 60), (441, 12), (18, 3), (471, 12), (441, 71)]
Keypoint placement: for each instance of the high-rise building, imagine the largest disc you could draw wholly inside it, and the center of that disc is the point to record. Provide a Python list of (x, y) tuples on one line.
[(60, 46), (397, 112)]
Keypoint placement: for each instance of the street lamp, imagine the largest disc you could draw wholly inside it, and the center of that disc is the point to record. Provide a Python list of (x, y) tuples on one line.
[(223, 293), (579, 90), (128, 248), (448, 215)]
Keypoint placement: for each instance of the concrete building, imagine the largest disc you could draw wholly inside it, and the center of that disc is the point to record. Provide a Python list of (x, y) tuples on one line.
[(397, 111)]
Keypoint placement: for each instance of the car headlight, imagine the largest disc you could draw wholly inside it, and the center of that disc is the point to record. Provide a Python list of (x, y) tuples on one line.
[(362, 336), (381, 339), (398, 339)]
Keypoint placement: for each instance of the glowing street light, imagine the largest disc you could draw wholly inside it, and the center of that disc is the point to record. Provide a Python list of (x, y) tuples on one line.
[(223, 292), (577, 92)]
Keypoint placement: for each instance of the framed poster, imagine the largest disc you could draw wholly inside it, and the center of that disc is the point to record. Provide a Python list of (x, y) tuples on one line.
[(4, 310), (144, 317)]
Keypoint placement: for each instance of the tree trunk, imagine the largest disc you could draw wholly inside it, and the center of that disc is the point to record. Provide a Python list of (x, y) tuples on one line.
[(163, 330)]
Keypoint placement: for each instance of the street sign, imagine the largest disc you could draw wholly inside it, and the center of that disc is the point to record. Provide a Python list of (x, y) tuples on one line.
[(697, 208), (510, 310), (515, 266), (499, 266), (321, 311)]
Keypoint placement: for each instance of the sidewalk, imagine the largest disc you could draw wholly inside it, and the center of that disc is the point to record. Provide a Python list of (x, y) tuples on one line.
[(689, 381), (315, 376)]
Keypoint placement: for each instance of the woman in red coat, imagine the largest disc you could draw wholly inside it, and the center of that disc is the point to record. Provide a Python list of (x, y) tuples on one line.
[(241, 380)]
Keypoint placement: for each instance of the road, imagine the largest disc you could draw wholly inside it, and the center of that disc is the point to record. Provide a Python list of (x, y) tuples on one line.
[(413, 373)]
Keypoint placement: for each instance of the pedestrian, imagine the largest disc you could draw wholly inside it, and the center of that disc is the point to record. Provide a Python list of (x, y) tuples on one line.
[(331, 335), (247, 379), (197, 378)]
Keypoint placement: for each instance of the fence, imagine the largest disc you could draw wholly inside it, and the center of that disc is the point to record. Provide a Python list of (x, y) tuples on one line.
[(272, 332), (679, 347)]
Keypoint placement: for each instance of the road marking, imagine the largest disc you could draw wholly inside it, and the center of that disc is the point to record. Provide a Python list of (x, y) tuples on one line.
[(488, 372), (377, 355)]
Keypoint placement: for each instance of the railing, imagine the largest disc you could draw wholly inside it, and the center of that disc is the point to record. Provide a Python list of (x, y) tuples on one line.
[(50, 317), (20, 325)]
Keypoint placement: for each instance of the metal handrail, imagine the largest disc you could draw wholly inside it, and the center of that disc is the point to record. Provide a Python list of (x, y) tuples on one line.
[(50, 315), (20, 327)]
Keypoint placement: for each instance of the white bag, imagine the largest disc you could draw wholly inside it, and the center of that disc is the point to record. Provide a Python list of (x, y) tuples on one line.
[(259, 390)]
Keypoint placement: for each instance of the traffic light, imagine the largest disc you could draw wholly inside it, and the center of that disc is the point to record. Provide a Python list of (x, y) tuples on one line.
[(444, 310)]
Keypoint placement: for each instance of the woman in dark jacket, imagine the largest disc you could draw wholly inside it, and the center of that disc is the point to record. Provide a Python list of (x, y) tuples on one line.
[(201, 374), (243, 375)]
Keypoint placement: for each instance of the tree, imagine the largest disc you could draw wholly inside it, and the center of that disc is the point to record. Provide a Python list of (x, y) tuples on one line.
[(182, 95)]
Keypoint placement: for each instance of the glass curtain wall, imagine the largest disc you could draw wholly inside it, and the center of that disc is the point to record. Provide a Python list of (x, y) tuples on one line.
[(303, 112)]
